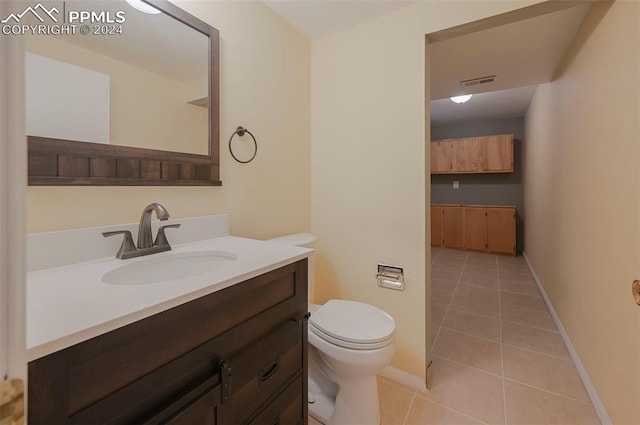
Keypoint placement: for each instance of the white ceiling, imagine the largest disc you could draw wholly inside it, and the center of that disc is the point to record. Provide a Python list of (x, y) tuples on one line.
[(510, 103), (520, 54), (319, 18)]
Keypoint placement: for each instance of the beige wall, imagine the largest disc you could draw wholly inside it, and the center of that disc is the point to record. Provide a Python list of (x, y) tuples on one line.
[(147, 110), (582, 200), (265, 86), (368, 161)]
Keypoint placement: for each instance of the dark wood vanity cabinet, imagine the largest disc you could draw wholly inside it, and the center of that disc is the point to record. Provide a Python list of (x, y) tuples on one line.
[(236, 356)]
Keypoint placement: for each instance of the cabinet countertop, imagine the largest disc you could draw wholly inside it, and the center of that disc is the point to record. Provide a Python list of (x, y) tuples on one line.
[(70, 304), (473, 206)]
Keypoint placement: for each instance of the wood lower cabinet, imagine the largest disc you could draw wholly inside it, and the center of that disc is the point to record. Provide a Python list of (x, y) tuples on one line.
[(452, 227), (236, 356), (501, 226), (475, 228), (436, 225)]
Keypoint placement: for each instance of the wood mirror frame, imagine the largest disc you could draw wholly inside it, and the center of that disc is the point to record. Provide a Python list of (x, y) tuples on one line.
[(57, 162)]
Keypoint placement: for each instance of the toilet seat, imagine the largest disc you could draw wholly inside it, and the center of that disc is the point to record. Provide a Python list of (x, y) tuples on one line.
[(347, 344), (351, 324)]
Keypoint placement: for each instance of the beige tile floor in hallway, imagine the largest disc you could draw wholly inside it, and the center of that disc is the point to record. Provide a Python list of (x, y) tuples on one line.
[(498, 357)]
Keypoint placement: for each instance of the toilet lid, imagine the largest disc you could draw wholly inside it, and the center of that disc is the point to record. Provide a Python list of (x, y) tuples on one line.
[(353, 322)]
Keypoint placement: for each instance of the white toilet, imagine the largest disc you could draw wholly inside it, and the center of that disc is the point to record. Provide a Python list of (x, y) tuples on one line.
[(349, 343)]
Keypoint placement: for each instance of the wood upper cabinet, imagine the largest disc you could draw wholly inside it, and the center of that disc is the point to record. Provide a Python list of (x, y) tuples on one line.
[(436, 225), (475, 229), (497, 153), (465, 155), (441, 156), (501, 228), (453, 227), (487, 154)]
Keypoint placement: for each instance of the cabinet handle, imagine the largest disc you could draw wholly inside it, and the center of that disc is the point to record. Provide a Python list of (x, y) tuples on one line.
[(225, 378), (270, 372), (301, 318)]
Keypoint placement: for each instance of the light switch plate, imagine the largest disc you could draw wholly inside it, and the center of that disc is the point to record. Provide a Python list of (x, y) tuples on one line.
[(456, 184)]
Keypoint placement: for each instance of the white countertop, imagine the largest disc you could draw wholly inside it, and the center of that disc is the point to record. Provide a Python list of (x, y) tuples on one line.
[(70, 304)]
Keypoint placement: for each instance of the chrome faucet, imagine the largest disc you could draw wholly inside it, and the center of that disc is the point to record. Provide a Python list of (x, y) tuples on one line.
[(145, 237)]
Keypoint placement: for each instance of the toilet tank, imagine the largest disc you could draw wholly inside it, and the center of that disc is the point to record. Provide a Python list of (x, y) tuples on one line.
[(305, 240)]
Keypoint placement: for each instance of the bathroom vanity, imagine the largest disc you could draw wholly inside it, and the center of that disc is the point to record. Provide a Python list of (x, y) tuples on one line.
[(225, 347)]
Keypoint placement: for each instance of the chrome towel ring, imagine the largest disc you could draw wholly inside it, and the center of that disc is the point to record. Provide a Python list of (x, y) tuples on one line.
[(240, 131)]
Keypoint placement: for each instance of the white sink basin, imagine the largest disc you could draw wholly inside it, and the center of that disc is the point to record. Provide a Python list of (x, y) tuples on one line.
[(163, 268)]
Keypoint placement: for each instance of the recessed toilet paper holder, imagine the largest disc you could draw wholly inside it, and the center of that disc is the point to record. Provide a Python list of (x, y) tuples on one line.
[(391, 277)]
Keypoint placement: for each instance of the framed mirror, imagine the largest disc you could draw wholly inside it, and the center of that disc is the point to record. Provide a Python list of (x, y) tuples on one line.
[(129, 97)]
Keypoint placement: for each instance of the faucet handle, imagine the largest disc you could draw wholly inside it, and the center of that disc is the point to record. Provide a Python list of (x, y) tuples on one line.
[(161, 238), (127, 243)]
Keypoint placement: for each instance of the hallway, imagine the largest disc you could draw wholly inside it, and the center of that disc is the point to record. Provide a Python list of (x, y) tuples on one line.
[(496, 350)]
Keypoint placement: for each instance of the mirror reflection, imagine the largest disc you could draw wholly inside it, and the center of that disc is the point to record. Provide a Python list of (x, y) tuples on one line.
[(140, 83)]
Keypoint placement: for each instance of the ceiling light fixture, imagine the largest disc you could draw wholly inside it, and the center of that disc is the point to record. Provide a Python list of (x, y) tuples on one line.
[(143, 7), (461, 99)]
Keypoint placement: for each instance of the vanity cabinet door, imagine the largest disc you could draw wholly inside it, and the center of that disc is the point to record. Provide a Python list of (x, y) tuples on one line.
[(286, 409), (203, 411), (200, 406)]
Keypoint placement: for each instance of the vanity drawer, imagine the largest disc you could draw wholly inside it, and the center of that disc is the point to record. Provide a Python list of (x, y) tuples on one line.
[(286, 409), (261, 371)]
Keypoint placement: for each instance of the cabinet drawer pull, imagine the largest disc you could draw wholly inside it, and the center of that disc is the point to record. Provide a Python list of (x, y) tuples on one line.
[(270, 372), (225, 380), (301, 318)]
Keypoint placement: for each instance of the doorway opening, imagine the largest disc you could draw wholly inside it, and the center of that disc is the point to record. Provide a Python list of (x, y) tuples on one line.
[(482, 294)]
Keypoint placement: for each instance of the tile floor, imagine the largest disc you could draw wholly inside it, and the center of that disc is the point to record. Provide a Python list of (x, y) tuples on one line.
[(498, 357)]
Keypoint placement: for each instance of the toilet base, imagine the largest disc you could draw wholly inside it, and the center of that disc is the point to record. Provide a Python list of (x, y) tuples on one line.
[(322, 391), (357, 402), (322, 407), (339, 400)]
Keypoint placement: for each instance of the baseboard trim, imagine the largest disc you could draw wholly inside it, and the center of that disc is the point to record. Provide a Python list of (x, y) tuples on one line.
[(591, 390), (404, 378)]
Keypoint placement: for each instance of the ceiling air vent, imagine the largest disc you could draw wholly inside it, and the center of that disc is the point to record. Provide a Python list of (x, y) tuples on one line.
[(478, 81)]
